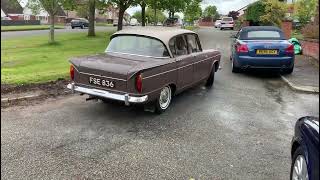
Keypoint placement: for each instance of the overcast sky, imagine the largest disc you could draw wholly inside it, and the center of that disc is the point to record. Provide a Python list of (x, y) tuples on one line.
[(223, 6)]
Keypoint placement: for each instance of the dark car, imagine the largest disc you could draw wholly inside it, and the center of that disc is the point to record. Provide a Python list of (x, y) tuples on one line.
[(262, 47), (305, 149), (173, 22), (145, 65), (80, 22)]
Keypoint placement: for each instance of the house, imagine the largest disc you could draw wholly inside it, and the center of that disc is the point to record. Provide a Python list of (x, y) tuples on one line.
[(242, 10), (12, 9), (42, 15)]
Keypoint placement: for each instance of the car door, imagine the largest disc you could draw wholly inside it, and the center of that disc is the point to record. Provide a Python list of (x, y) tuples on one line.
[(184, 62), (202, 63)]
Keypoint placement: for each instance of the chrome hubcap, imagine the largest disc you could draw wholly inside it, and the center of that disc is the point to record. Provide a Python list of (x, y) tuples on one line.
[(165, 98), (300, 170)]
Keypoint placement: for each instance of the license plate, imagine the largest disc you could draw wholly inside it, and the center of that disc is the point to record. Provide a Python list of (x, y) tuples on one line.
[(101, 82), (267, 51)]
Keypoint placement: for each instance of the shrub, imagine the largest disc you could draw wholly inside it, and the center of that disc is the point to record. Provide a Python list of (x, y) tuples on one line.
[(311, 31)]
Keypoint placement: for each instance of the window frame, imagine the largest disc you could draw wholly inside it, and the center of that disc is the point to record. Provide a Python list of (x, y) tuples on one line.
[(185, 38)]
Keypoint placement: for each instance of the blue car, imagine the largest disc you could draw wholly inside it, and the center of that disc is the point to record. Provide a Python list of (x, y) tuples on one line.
[(261, 47), (305, 149)]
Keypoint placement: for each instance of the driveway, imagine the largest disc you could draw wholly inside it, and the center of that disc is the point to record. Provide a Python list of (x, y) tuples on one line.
[(13, 34), (239, 129)]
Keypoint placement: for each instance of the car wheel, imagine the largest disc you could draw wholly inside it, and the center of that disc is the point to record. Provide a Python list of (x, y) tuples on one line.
[(232, 28), (163, 101), (210, 80), (82, 27), (234, 68), (299, 168), (221, 28), (72, 27)]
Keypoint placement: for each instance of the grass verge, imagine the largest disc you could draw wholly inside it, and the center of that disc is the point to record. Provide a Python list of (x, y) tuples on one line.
[(32, 60), (103, 24), (192, 28), (28, 28)]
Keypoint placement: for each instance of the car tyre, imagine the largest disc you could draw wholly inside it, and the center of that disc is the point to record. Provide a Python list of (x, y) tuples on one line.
[(234, 68), (72, 27), (210, 80), (298, 154), (82, 27), (163, 101), (221, 29)]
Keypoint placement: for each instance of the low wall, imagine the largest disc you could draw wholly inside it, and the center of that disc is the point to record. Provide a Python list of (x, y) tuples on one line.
[(19, 22), (310, 47), (204, 23)]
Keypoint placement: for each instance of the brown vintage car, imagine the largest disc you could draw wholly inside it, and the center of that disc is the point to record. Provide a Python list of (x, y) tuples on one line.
[(145, 65)]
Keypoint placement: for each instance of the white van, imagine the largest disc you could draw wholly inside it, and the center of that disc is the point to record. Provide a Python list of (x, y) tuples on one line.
[(133, 22)]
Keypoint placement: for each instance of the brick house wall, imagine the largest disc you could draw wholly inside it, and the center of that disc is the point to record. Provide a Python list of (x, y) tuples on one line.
[(310, 48), (286, 27)]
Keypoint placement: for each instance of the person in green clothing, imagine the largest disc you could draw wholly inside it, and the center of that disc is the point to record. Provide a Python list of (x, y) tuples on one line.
[(297, 45)]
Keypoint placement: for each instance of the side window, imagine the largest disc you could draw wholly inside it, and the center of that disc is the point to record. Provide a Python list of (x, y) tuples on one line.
[(193, 45), (178, 46)]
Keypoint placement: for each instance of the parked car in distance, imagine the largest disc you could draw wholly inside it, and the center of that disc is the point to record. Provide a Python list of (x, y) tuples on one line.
[(262, 47), (133, 22), (159, 24), (305, 149), (227, 23), (217, 24), (115, 22), (79, 22), (173, 22), (145, 66)]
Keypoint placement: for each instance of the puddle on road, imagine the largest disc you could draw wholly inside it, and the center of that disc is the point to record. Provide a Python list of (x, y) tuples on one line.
[(274, 88)]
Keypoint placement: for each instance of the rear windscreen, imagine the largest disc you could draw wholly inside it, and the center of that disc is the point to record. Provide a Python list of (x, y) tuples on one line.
[(227, 19), (262, 34)]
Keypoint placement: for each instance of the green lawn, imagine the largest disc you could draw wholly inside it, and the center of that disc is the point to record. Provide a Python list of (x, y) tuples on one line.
[(33, 60), (28, 27), (192, 28), (103, 24)]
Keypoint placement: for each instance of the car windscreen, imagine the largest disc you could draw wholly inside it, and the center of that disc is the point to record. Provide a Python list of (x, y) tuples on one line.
[(227, 19), (137, 45), (262, 34)]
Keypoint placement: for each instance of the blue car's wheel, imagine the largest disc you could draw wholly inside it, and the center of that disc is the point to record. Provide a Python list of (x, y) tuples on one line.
[(234, 68), (299, 168)]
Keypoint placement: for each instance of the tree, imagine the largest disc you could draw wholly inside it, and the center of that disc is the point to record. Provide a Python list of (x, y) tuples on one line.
[(274, 13), (305, 9), (137, 15), (143, 5), (51, 7), (233, 14), (193, 11), (123, 5), (254, 11), (210, 12), (173, 6)]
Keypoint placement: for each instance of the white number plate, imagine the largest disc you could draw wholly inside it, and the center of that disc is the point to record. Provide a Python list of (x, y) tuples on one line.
[(101, 82)]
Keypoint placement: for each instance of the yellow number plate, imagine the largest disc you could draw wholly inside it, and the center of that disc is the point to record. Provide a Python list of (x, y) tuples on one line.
[(267, 51)]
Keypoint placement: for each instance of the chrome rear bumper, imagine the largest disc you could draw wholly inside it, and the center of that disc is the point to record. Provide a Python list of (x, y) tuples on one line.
[(109, 95)]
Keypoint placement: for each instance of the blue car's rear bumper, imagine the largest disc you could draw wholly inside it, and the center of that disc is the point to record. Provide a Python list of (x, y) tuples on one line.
[(245, 62)]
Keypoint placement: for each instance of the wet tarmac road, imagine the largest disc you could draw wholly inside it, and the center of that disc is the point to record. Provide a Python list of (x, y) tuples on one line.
[(239, 129)]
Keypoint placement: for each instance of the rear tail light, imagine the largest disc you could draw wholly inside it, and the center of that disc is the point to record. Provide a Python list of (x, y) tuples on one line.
[(242, 48), (71, 72), (139, 83), (290, 49)]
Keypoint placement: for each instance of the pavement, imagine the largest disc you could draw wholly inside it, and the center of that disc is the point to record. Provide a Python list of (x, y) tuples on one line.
[(305, 76), (239, 129), (14, 34)]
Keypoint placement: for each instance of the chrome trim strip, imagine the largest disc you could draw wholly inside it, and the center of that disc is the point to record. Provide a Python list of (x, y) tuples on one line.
[(103, 76), (109, 95), (138, 55), (179, 67)]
